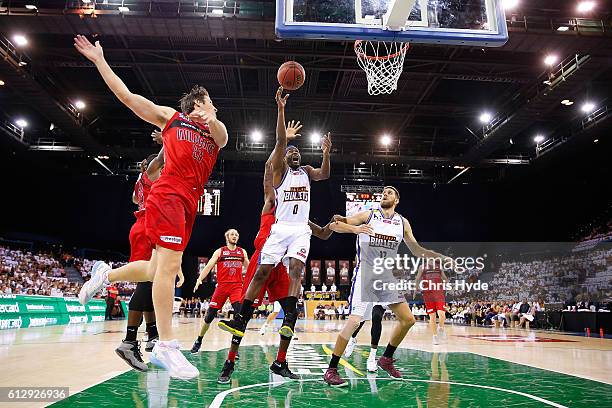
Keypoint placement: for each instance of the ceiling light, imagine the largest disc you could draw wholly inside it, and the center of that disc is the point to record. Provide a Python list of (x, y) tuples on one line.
[(362, 163), (79, 105), (550, 60), (21, 123), (315, 138), (485, 117), (20, 40), (567, 102), (385, 140), (1, 82), (538, 139), (217, 12), (86, 1), (123, 9), (256, 136), (563, 28), (31, 7), (596, 140), (588, 107), (586, 6)]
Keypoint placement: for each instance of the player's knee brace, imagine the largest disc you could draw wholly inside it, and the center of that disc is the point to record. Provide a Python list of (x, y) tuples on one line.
[(377, 316), (211, 313)]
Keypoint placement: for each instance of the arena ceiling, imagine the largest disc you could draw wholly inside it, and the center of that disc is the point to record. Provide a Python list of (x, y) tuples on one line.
[(163, 48)]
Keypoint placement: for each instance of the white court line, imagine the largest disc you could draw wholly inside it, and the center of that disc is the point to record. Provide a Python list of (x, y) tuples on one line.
[(216, 403)]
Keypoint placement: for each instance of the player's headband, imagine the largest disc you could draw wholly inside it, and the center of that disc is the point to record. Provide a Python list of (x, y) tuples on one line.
[(291, 147), (394, 189)]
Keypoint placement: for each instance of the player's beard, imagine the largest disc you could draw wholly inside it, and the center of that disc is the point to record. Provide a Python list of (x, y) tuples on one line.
[(386, 205)]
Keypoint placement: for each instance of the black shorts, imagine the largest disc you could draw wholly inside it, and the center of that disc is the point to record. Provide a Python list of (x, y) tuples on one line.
[(142, 299)]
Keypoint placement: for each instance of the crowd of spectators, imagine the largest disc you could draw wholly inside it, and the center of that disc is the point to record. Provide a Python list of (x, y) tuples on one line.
[(44, 273)]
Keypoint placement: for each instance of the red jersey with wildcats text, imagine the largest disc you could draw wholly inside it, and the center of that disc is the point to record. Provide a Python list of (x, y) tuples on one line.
[(431, 280), (229, 265), (190, 152), (141, 191)]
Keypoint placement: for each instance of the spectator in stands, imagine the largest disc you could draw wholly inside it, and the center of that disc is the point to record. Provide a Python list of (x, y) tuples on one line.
[(333, 291)]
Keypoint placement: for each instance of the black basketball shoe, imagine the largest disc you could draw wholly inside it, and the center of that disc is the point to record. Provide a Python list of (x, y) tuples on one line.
[(226, 373), (283, 370)]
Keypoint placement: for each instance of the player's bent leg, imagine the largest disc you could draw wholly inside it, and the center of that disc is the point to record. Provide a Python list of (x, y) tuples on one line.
[(405, 320), (238, 324), (332, 377), (290, 307), (166, 353), (211, 313)]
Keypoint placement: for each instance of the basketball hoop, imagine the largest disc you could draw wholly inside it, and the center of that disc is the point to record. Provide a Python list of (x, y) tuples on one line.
[(382, 62)]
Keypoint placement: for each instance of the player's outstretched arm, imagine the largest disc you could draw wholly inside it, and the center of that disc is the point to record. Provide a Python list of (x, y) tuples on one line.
[(208, 114), (355, 224), (323, 172), (416, 248), (278, 154), (142, 107), (320, 232), (209, 266)]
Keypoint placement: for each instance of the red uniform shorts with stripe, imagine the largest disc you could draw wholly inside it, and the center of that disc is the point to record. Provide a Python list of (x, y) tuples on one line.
[(434, 301), (277, 284), (140, 246), (170, 213), (231, 290)]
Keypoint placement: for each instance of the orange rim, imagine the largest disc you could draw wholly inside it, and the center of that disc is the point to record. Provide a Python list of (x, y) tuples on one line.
[(386, 57)]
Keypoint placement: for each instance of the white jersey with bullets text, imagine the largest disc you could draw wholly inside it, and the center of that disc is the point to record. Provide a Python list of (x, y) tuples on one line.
[(293, 197)]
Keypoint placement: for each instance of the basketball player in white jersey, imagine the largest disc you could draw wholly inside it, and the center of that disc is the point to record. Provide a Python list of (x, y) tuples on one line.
[(379, 234), (289, 239)]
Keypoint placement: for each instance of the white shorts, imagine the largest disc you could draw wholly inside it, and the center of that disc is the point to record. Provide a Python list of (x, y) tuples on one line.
[(361, 308), (286, 241)]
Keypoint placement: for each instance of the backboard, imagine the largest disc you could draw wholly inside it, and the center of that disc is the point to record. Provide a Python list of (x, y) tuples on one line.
[(457, 22)]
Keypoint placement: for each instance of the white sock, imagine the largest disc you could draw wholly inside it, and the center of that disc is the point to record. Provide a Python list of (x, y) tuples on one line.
[(372, 355)]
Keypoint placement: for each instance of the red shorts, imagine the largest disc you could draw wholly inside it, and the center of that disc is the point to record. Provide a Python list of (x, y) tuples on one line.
[(431, 306), (170, 213), (233, 291), (277, 284), (140, 247)]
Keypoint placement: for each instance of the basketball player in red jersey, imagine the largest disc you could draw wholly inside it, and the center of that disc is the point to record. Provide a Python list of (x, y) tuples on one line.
[(289, 239), (229, 259), (192, 140), (277, 284), (430, 280)]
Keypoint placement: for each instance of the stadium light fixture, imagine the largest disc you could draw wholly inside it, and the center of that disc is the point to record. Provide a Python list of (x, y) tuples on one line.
[(510, 4), (86, 1), (385, 140), (20, 40), (588, 107), (567, 102), (21, 123), (217, 12), (538, 139), (79, 105), (485, 117), (586, 6), (1, 82), (362, 163), (563, 28), (550, 60), (123, 9), (256, 136), (31, 7), (315, 138)]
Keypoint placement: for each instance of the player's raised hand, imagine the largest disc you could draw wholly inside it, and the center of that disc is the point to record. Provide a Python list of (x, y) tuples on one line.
[(156, 135), (281, 100), (293, 128), (92, 52), (327, 144)]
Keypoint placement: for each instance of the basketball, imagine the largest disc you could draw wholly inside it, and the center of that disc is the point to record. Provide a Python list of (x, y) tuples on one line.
[(291, 75)]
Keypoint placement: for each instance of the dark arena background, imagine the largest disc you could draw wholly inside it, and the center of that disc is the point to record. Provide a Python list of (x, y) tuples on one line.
[(498, 147)]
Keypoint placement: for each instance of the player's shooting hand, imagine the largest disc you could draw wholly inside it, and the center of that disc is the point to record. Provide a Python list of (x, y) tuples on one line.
[(94, 53), (281, 100), (364, 229), (327, 144), (293, 128), (156, 135)]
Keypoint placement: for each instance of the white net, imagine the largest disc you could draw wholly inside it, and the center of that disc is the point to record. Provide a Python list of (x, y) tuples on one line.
[(382, 62)]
